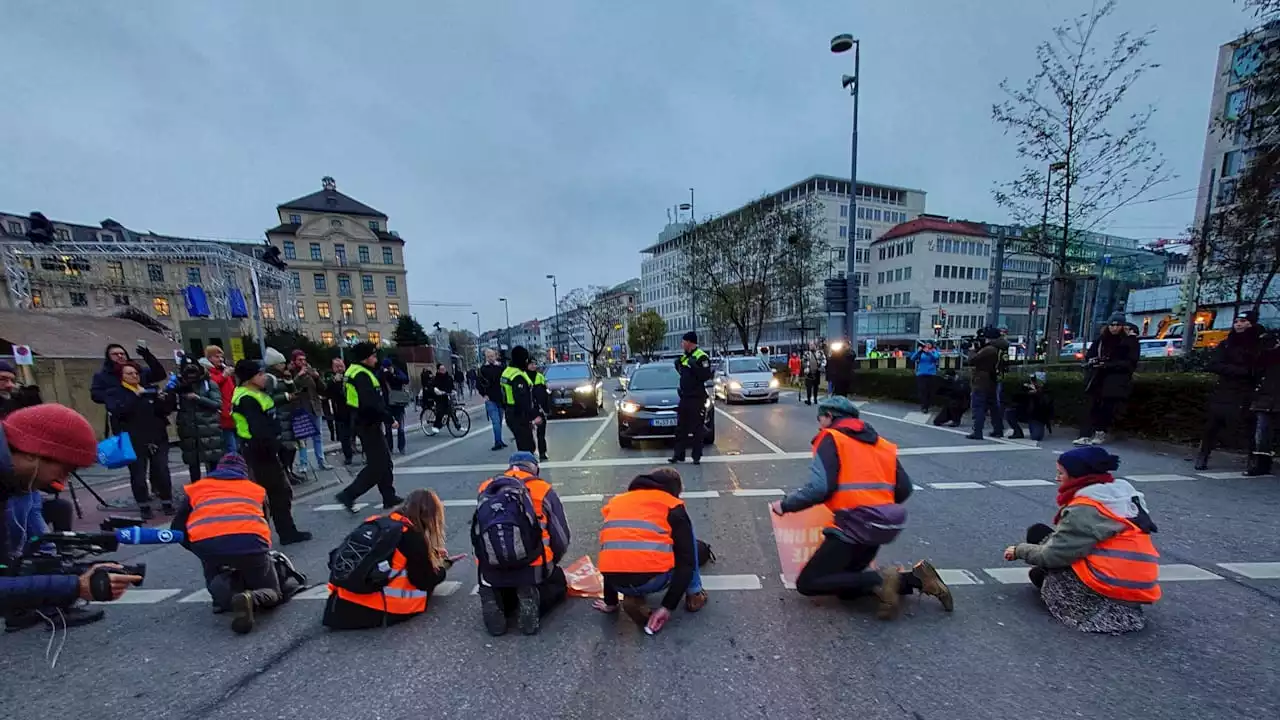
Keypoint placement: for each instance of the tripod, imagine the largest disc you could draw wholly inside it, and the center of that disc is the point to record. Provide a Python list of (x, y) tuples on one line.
[(75, 502)]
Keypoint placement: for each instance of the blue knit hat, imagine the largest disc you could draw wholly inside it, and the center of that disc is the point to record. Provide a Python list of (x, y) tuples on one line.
[(230, 467), (1090, 460), (525, 460)]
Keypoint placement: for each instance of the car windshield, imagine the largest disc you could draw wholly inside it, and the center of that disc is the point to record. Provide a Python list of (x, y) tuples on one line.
[(746, 365), (567, 372), (655, 378)]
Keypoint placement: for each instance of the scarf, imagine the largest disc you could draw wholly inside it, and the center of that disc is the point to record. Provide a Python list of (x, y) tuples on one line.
[(132, 388), (1067, 490)]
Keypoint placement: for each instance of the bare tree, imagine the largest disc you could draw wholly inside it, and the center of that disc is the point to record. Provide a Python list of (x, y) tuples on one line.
[(596, 313), (1070, 115), (806, 250)]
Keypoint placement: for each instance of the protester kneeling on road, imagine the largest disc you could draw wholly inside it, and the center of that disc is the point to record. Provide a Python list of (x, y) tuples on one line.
[(39, 448), (225, 523), (1096, 567), (857, 475), (519, 535), (647, 545), (385, 570)]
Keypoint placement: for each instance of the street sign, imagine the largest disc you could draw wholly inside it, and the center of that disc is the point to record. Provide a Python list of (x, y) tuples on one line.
[(22, 355)]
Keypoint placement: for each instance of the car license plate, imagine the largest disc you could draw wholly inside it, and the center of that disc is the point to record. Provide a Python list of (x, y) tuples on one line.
[(564, 401), (664, 422)]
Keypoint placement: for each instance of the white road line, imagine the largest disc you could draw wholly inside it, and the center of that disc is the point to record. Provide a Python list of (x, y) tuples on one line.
[(1020, 483), (1010, 575), (963, 449), (199, 596), (436, 448), (114, 488), (446, 588), (143, 597), (319, 592), (918, 487), (1254, 570), (1165, 477), (750, 431), (1211, 475), (565, 421), (958, 577), (757, 492), (458, 503), (581, 498), (919, 418), (594, 436), (1173, 572), (714, 583), (700, 494), (475, 590), (954, 431), (330, 507), (958, 486)]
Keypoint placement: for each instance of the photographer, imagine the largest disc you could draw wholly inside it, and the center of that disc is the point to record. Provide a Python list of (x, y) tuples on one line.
[(986, 361), (39, 448)]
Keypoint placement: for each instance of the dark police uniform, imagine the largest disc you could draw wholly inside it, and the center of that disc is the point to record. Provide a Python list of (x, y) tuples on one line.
[(695, 370)]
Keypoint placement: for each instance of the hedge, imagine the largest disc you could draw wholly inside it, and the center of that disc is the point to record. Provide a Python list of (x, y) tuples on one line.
[(1163, 406)]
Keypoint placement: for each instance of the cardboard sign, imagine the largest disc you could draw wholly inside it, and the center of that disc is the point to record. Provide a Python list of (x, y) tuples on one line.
[(22, 355), (237, 350), (583, 578), (798, 535)]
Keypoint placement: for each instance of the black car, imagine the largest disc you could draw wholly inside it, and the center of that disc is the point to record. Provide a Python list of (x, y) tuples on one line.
[(647, 408), (574, 388)]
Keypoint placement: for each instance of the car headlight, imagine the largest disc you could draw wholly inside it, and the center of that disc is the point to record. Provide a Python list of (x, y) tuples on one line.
[(735, 385), (628, 408), (584, 389), (773, 383)]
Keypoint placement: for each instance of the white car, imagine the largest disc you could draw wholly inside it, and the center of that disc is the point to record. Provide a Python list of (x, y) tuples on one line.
[(746, 378)]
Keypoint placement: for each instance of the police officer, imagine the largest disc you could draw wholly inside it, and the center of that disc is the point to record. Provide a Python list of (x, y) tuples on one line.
[(369, 411), (541, 401), (253, 414), (695, 371), (517, 398)]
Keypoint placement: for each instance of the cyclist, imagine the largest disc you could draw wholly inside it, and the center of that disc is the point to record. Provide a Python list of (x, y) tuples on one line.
[(441, 392)]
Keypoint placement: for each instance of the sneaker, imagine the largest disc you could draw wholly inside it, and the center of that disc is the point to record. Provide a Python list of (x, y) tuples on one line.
[(1082, 441), (495, 620), (1202, 462), (242, 606), (296, 537), (888, 593), (693, 602), (931, 584), (636, 608), (74, 616), (432, 432), (1016, 435), (1099, 438), (675, 460), (543, 457), (529, 618)]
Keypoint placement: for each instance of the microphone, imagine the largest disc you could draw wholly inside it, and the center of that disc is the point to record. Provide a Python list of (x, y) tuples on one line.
[(148, 536)]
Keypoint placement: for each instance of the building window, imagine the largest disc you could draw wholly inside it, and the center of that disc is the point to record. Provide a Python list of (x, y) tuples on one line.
[(15, 228), (268, 311), (371, 311), (844, 231), (340, 252), (193, 276), (366, 284), (391, 285), (107, 237), (335, 223), (373, 225), (300, 310), (1232, 163), (78, 299), (375, 337), (115, 271), (906, 273), (393, 311), (290, 250), (880, 278), (326, 337), (62, 234), (351, 336), (348, 310), (161, 306), (362, 253), (319, 281), (37, 299), (155, 273), (388, 258), (844, 211), (295, 219), (120, 299), (315, 252), (322, 310), (295, 279), (344, 285)]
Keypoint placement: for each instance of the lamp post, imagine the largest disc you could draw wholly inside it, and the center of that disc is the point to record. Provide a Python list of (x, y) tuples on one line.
[(841, 44), (506, 309), (555, 297), (479, 352), (693, 291)]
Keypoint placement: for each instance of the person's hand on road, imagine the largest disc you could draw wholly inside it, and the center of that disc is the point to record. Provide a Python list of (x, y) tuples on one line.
[(658, 619), (119, 583), (1010, 553), (604, 607), (776, 507)]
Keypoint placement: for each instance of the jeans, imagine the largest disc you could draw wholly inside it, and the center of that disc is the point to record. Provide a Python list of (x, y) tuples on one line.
[(397, 414), (494, 411), (980, 402), (228, 441), (317, 443), (658, 583), (1034, 427)]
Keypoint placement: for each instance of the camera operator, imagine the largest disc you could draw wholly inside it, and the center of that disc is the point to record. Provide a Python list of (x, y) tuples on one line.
[(39, 448), (986, 366)]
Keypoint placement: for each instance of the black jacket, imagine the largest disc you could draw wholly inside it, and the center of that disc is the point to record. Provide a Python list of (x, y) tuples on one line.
[(840, 368), (1266, 397), (1033, 405), (442, 382), (263, 428), (541, 395), (694, 375), (29, 592), (373, 407), (106, 377), (489, 382), (335, 397), (682, 544), (1109, 365), (342, 615), (145, 416), (1238, 363)]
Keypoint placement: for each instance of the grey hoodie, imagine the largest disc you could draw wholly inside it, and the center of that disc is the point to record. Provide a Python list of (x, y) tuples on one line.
[(1082, 526)]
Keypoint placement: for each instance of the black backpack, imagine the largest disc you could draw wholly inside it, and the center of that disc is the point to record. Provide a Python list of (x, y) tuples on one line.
[(361, 564), (505, 532)]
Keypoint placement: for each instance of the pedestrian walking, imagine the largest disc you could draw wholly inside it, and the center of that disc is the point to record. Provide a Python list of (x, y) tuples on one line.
[(926, 359), (1237, 361), (395, 383), (471, 382), (306, 415), (985, 371), (335, 397), (1109, 365), (813, 365), (369, 411), (459, 382), (143, 412), (252, 410), (198, 419), (489, 385), (793, 369), (695, 371)]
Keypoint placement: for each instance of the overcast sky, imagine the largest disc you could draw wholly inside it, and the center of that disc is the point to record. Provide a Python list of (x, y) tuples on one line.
[(507, 140)]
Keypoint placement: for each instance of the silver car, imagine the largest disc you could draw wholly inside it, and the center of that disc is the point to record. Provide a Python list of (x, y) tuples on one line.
[(746, 378)]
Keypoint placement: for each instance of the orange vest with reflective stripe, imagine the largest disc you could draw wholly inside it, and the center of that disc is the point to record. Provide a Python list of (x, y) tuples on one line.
[(868, 473), (538, 489), (636, 536), (1123, 567), (399, 597), (226, 507)]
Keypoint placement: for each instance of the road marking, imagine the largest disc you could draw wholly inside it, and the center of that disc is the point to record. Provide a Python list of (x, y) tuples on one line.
[(1254, 570), (715, 583), (1211, 475), (446, 588), (958, 486), (566, 421), (750, 431), (455, 503), (594, 437), (700, 494), (920, 418), (1020, 483), (437, 448), (953, 431), (319, 592), (143, 597), (581, 498), (1009, 575), (1169, 573), (958, 577), (917, 487), (1166, 477), (121, 486), (338, 506), (199, 596), (757, 492)]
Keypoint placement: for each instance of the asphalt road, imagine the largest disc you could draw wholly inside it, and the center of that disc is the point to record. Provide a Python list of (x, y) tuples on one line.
[(758, 650)]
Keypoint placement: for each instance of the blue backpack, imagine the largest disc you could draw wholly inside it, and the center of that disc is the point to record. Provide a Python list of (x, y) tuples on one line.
[(505, 532)]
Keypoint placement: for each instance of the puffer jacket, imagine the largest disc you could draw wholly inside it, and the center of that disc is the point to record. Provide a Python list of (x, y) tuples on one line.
[(1238, 365), (199, 427), (1109, 366), (278, 387), (1266, 397)]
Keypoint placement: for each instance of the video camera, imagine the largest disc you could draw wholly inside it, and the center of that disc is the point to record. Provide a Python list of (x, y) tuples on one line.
[(71, 552)]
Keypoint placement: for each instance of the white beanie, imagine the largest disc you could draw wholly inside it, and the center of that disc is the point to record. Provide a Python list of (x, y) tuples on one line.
[(274, 357)]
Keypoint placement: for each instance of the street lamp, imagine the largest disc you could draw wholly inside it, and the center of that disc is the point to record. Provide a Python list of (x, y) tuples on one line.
[(555, 297), (507, 312), (840, 44)]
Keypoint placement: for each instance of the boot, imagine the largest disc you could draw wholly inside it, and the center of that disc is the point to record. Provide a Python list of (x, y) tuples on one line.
[(528, 612), (931, 584), (1258, 464), (693, 602), (495, 620), (242, 606), (1202, 457), (888, 593)]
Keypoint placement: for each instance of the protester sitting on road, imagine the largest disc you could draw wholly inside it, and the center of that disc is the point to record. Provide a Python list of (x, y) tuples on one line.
[(39, 448), (651, 513), (415, 565), (1096, 567), (225, 523), (954, 393), (857, 475), (143, 412), (519, 536), (1033, 405), (198, 419)]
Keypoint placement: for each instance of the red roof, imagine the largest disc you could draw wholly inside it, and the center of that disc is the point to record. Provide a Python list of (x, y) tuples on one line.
[(938, 225)]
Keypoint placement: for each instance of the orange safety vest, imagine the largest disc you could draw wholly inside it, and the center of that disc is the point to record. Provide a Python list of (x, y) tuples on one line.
[(868, 473), (226, 507), (636, 536), (538, 489), (1123, 567), (399, 597)]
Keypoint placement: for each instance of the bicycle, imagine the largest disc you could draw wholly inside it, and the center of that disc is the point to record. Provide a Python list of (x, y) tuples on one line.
[(458, 421)]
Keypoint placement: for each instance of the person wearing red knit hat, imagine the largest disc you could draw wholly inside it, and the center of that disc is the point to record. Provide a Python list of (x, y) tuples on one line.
[(39, 447)]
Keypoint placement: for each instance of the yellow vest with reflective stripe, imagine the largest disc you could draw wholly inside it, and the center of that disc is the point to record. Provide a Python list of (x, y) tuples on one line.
[(353, 397), (508, 393), (696, 355), (242, 423)]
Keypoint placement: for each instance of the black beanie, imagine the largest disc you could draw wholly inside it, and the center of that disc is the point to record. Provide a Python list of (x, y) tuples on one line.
[(519, 357), (690, 336), (361, 351), (246, 369)]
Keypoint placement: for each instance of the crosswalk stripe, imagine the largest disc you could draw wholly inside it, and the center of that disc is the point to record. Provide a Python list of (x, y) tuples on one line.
[(1254, 570), (446, 588), (1158, 477), (1237, 475), (581, 498), (1009, 575), (1176, 571), (1020, 483), (957, 486), (319, 592), (958, 577), (715, 583), (696, 494), (454, 503), (199, 596), (144, 597), (337, 506), (757, 492)]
